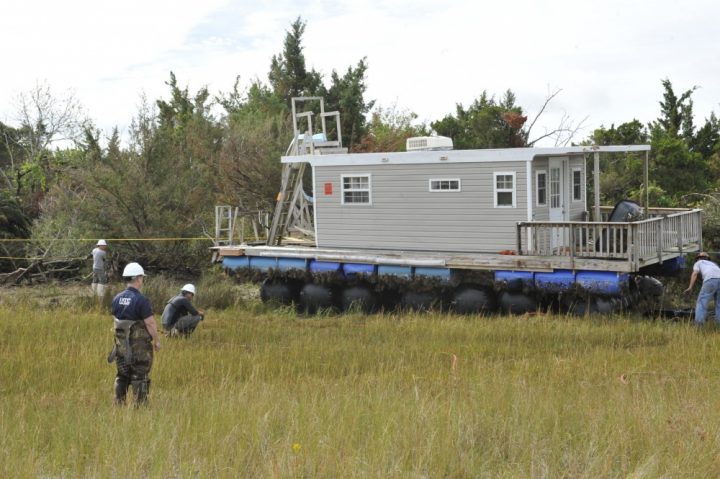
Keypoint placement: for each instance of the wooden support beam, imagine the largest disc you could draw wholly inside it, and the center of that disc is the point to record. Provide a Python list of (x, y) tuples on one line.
[(596, 184)]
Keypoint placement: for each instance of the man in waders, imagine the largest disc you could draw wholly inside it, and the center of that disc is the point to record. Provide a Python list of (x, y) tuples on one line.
[(136, 336)]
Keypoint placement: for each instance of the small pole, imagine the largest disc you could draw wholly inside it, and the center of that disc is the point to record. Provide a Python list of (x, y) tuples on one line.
[(647, 179), (680, 235), (518, 240), (596, 183)]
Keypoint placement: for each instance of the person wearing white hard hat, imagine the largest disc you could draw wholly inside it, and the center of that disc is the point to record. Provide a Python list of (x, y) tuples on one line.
[(99, 275), (136, 336), (180, 317)]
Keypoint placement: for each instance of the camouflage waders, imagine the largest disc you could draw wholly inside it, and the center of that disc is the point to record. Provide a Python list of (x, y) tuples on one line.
[(134, 357)]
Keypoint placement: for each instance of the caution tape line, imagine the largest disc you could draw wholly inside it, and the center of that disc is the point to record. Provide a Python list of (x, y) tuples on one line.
[(27, 240), (46, 259)]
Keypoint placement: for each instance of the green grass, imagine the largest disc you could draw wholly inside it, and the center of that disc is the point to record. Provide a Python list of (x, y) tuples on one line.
[(263, 393)]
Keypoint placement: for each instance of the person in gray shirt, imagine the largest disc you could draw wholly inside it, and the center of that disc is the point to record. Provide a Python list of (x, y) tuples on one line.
[(180, 317), (710, 273), (99, 277)]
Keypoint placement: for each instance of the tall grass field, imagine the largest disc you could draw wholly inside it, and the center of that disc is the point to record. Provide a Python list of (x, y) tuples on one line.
[(262, 392)]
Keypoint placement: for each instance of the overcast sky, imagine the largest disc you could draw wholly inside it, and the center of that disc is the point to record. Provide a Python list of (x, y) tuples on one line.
[(425, 56)]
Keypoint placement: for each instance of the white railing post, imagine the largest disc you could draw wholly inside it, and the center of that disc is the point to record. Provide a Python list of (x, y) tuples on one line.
[(681, 234), (518, 239), (659, 229)]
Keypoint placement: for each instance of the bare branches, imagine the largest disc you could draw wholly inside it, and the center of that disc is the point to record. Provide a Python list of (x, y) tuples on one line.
[(566, 129), (47, 119), (548, 99), (564, 133)]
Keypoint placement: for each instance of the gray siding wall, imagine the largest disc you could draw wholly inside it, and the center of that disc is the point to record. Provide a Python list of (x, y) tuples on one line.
[(405, 215), (577, 208), (540, 213)]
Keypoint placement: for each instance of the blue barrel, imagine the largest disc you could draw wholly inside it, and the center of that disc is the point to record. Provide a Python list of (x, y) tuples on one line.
[(352, 269), (263, 264), (603, 282), (324, 266), (557, 281), (286, 264), (439, 273), (235, 262), (402, 271), (515, 281)]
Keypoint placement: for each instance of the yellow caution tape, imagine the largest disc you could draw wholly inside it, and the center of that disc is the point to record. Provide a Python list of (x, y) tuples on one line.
[(21, 240)]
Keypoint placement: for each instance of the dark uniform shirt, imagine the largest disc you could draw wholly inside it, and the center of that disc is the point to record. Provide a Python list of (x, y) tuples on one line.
[(131, 304), (176, 308)]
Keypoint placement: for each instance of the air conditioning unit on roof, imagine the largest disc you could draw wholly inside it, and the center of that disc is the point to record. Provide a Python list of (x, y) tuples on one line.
[(429, 143)]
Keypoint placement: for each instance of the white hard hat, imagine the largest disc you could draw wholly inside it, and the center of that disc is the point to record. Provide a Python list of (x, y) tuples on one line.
[(101, 243), (189, 288), (132, 270)]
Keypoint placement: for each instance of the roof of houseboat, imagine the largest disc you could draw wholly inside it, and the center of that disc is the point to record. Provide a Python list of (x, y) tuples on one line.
[(456, 156)]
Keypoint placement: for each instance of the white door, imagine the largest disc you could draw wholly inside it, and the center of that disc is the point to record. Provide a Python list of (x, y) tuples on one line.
[(557, 199), (557, 187)]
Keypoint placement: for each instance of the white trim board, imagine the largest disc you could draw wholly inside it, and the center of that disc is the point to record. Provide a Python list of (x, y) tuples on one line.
[(455, 156)]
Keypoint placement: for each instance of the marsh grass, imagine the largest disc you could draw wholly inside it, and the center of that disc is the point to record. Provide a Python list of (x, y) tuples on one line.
[(215, 291), (265, 393)]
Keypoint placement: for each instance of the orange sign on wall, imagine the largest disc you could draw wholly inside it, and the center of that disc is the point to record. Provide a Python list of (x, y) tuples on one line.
[(328, 189)]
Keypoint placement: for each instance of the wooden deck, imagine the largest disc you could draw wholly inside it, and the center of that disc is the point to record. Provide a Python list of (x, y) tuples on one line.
[(477, 261), (665, 235), (541, 246)]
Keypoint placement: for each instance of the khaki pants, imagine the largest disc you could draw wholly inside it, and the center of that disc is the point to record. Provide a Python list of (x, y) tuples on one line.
[(186, 324)]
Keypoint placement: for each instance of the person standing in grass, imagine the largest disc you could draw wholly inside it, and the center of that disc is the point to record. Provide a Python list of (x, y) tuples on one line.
[(710, 289), (99, 275), (136, 336), (180, 316)]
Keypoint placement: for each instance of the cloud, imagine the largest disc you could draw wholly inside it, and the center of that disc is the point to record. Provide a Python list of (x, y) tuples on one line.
[(607, 57)]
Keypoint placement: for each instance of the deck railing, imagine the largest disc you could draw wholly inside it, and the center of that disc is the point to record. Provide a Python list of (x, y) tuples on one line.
[(652, 212), (642, 242)]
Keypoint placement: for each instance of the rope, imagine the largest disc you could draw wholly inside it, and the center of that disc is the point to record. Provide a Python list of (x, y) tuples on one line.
[(117, 240), (46, 259), (27, 240)]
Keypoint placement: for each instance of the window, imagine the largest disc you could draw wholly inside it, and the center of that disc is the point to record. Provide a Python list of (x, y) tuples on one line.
[(577, 184), (541, 187), (554, 187), (356, 189), (504, 186), (444, 185)]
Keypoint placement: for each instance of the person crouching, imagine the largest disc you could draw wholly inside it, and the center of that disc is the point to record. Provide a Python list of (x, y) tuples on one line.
[(180, 317)]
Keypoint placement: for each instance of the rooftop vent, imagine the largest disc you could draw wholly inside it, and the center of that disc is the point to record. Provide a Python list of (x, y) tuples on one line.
[(428, 143)]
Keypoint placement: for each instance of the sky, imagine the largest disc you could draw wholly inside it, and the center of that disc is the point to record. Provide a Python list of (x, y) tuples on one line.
[(608, 58)]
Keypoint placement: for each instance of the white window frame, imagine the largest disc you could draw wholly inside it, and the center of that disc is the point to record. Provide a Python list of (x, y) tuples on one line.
[(504, 190), (537, 187), (572, 184), (368, 189), (440, 190)]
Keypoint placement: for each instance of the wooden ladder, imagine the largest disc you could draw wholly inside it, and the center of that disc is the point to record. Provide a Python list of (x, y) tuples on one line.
[(291, 204), (225, 221), (287, 200)]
